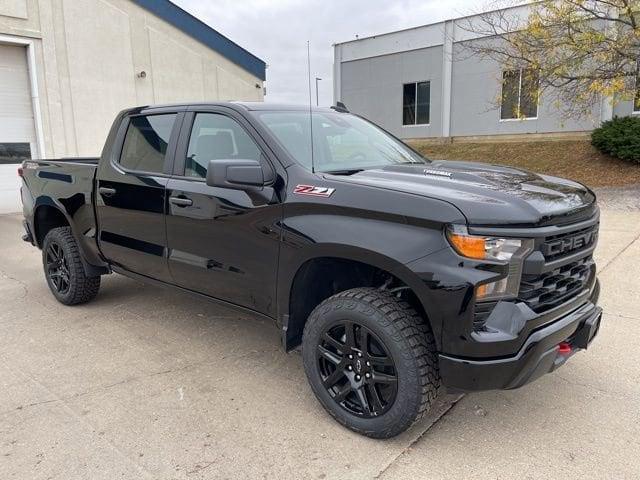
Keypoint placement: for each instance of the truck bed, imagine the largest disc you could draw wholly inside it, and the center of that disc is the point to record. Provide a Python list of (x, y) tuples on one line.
[(79, 172), (66, 160), (65, 186)]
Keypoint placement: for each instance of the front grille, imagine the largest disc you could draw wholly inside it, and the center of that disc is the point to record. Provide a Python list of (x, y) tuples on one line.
[(564, 277), (557, 246), (546, 291)]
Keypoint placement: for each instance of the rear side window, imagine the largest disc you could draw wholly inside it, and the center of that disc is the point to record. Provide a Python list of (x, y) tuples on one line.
[(217, 137), (146, 141)]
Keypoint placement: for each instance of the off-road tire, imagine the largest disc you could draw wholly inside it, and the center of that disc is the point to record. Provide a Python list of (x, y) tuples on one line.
[(81, 288), (409, 341)]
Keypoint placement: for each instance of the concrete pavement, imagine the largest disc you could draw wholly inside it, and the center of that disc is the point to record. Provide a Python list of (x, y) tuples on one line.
[(149, 383)]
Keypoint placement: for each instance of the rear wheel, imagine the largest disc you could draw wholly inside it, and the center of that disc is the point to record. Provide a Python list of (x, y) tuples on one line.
[(371, 361), (63, 268)]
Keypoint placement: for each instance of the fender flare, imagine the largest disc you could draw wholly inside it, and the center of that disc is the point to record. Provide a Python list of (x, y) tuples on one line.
[(287, 276), (46, 201)]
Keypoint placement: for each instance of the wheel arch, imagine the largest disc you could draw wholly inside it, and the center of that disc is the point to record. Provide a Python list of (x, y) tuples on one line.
[(47, 215), (327, 270)]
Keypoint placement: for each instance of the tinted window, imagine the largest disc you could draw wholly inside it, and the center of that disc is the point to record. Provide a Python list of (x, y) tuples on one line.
[(519, 94), (510, 94), (416, 98), (409, 104), (529, 94), (14, 152), (217, 137), (636, 98), (340, 141), (422, 103), (145, 144)]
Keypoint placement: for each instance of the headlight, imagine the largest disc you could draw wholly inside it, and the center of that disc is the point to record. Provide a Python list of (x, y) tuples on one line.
[(495, 249), (482, 248)]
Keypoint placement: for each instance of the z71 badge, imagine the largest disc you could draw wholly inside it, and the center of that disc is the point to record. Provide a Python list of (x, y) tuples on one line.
[(314, 191)]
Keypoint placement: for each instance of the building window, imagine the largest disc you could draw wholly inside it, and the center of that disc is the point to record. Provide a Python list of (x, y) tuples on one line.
[(416, 98), (519, 94), (14, 152)]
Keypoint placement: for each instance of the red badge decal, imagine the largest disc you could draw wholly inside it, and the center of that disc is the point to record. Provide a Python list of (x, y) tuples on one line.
[(313, 191)]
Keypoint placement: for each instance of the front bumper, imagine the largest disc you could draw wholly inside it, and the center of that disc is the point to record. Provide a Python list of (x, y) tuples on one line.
[(539, 354)]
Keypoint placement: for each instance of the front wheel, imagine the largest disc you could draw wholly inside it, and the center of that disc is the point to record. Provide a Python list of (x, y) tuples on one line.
[(371, 361), (63, 268)]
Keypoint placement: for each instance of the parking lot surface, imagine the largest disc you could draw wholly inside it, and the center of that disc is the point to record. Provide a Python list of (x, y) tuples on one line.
[(149, 383)]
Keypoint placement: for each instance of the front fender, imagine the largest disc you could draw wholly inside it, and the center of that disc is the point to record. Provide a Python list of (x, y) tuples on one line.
[(381, 242)]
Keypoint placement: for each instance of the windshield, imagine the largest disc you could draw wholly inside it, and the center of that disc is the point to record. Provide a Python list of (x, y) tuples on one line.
[(341, 142)]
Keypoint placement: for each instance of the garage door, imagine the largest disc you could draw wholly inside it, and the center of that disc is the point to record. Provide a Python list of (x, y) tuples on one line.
[(17, 132)]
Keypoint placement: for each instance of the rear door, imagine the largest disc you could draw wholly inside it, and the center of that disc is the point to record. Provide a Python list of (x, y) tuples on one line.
[(130, 196), (223, 242)]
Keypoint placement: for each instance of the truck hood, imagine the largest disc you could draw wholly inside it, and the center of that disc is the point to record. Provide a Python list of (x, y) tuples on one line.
[(487, 194)]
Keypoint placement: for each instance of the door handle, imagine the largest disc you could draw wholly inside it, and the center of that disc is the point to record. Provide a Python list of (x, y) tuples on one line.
[(181, 201), (107, 191)]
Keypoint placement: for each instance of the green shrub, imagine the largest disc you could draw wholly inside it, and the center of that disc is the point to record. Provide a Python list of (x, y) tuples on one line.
[(619, 138)]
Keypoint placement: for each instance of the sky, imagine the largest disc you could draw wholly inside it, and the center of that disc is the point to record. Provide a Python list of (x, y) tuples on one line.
[(277, 31)]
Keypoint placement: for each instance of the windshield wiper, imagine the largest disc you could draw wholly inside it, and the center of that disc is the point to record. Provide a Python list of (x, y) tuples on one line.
[(409, 163), (346, 171)]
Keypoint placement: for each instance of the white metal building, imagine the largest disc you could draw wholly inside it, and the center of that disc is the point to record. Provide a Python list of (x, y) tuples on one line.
[(68, 66), (422, 82)]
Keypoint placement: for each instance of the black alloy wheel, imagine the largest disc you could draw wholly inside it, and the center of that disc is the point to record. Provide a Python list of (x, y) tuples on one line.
[(57, 268), (371, 361), (64, 269), (356, 369)]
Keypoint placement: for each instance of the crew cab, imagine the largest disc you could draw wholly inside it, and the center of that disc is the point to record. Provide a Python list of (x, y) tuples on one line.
[(398, 276)]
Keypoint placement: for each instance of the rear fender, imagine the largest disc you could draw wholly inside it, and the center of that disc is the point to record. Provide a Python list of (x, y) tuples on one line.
[(92, 263)]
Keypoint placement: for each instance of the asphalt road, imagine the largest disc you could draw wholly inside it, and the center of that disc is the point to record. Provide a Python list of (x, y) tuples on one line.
[(148, 383)]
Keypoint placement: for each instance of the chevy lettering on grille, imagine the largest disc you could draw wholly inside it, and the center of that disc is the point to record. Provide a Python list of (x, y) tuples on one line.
[(568, 244)]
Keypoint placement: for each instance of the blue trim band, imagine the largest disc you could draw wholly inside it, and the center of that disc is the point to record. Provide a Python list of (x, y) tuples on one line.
[(202, 32)]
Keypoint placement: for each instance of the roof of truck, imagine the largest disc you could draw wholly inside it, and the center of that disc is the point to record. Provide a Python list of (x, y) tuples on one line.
[(252, 106)]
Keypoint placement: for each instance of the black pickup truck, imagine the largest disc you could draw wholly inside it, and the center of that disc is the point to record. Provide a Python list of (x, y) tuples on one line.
[(400, 277)]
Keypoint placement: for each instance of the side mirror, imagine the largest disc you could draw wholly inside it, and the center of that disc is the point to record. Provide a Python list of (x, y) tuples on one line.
[(236, 174)]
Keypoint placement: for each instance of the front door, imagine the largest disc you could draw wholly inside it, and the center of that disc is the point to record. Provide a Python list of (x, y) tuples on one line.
[(130, 197), (222, 242)]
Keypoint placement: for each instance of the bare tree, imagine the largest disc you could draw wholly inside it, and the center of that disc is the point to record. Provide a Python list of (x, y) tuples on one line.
[(576, 52)]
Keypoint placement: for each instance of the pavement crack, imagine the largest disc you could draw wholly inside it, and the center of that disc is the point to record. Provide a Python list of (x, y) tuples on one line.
[(610, 262), (82, 421), (626, 317), (25, 287), (573, 382), (200, 467), (440, 415), (153, 374), (129, 380), (29, 405)]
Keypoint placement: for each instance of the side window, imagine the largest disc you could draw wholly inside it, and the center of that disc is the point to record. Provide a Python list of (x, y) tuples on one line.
[(217, 137), (145, 143)]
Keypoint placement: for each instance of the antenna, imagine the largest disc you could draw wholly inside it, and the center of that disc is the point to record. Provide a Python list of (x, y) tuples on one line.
[(313, 167)]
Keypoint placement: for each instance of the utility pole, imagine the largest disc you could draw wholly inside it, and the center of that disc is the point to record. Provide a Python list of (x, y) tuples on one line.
[(317, 98)]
